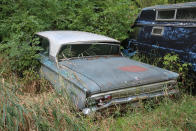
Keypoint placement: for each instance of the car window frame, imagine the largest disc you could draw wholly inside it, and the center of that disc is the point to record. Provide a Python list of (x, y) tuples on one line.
[(193, 20), (113, 43), (157, 27), (158, 19)]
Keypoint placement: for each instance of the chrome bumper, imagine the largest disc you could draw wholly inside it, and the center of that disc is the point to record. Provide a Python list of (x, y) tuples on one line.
[(130, 99)]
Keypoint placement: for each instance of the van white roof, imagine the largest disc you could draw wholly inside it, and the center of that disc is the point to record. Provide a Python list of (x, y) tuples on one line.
[(59, 38)]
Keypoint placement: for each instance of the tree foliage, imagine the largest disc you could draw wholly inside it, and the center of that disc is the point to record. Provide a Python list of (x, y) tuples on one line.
[(20, 19)]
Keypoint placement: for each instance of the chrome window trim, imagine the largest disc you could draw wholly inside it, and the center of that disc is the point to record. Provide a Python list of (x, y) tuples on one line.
[(158, 19), (174, 19)]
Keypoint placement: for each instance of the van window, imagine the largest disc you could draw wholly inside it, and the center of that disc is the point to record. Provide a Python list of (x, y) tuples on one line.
[(186, 14), (166, 14), (148, 15), (157, 31)]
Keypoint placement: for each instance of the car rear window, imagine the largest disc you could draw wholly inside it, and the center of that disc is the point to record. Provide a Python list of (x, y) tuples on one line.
[(82, 50)]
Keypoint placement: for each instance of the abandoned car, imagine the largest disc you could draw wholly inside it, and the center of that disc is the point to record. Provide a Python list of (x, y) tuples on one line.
[(165, 29), (94, 74)]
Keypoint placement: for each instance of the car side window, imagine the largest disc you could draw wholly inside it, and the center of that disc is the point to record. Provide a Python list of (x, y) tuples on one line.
[(44, 44)]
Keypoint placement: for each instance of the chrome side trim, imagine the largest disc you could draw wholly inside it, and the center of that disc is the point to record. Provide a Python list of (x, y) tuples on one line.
[(130, 99), (145, 88)]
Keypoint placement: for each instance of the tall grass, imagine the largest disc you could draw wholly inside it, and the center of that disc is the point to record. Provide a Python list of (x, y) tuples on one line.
[(51, 111), (24, 107), (48, 110), (25, 111)]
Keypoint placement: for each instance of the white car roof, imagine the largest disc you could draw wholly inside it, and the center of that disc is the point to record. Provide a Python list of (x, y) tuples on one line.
[(59, 38)]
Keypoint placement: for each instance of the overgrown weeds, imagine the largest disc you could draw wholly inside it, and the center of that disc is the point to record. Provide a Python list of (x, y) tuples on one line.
[(165, 115), (35, 111), (51, 111)]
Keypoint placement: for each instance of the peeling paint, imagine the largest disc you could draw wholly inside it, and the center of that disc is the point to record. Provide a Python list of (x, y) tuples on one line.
[(178, 36)]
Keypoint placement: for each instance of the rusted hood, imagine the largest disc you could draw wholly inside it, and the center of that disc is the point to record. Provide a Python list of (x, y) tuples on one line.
[(118, 72)]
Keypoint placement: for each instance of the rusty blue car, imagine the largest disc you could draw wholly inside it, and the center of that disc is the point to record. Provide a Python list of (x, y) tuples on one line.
[(95, 75)]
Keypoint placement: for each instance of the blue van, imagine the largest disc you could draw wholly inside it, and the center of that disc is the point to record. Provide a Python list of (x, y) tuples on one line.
[(166, 29)]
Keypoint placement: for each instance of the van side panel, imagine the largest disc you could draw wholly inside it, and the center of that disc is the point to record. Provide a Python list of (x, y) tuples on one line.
[(162, 37)]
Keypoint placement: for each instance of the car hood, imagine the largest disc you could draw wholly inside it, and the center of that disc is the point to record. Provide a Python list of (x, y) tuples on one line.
[(114, 73)]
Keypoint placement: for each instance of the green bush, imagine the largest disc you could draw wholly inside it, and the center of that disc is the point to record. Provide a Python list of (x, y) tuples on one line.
[(187, 76), (172, 62)]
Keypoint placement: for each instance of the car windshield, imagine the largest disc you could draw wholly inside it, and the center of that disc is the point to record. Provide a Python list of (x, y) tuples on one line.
[(84, 50)]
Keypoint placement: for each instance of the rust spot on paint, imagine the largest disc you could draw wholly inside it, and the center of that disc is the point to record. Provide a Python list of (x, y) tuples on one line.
[(133, 69)]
